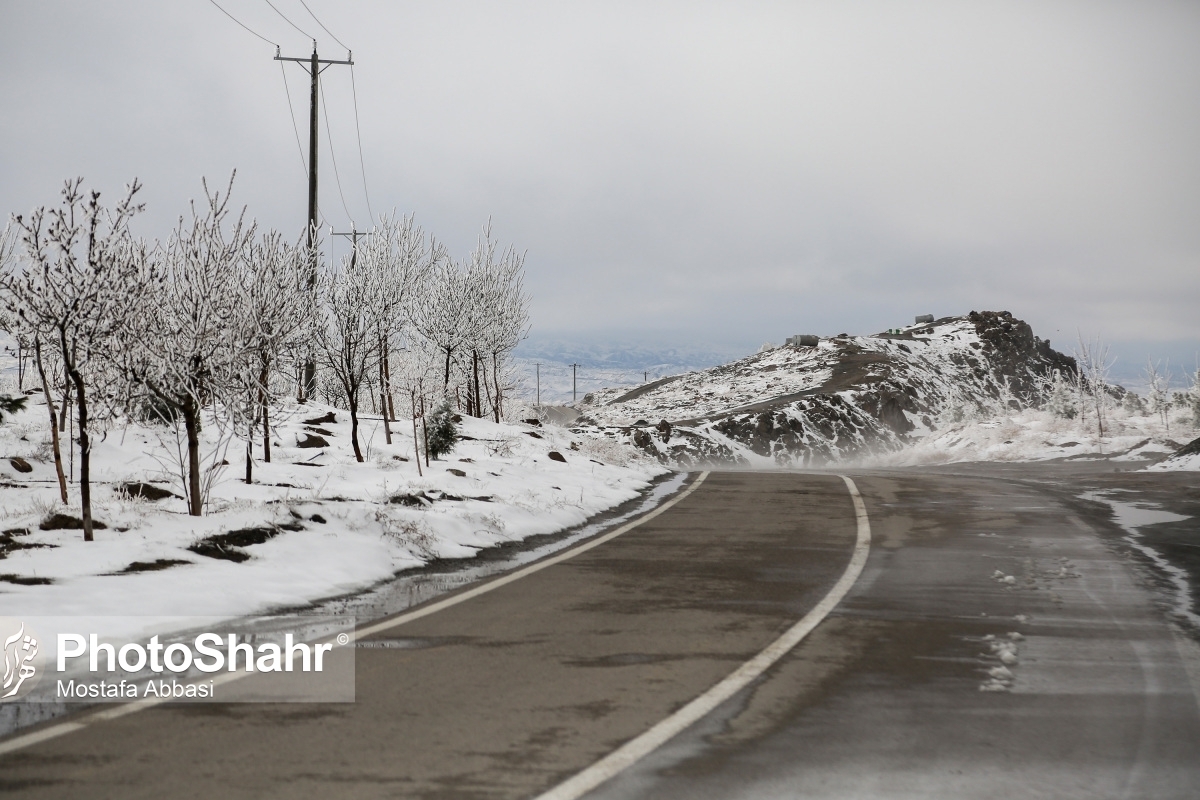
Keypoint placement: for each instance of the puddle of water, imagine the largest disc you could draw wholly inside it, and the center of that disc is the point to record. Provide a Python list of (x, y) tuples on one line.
[(1131, 517)]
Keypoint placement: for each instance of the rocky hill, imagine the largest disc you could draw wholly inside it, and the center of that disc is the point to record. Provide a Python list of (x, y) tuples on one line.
[(846, 396)]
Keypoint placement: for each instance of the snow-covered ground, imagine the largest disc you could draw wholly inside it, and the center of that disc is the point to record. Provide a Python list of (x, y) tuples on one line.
[(1037, 435), (337, 525)]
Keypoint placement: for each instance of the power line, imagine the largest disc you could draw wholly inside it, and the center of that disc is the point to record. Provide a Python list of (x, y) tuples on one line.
[(357, 125), (333, 160), (322, 24), (358, 133), (296, 130), (239, 22), (292, 113), (289, 22)]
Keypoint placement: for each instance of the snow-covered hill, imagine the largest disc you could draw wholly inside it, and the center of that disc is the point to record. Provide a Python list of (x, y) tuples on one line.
[(846, 397)]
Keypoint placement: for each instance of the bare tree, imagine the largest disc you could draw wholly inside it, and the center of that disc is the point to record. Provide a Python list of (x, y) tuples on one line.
[(187, 349), (443, 315), (347, 333), (1158, 396), (400, 261), (1094, 365), (84, 282), (273, 316)]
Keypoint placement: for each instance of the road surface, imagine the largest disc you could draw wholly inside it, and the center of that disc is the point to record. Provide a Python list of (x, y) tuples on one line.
[(1000, 641)]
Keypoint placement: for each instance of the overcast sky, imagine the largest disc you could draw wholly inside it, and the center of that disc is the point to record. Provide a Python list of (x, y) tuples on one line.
[(727, 173)]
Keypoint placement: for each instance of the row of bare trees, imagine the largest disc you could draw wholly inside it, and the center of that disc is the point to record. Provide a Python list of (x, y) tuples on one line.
[(215, 325)]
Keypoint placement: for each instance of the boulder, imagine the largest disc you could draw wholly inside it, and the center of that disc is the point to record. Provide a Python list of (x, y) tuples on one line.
[(554, 455), (147, 491), (65, 522), (311, 440)]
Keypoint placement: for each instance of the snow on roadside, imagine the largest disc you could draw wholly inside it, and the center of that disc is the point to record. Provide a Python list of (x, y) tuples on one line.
[(1038, 435), (336, 525)]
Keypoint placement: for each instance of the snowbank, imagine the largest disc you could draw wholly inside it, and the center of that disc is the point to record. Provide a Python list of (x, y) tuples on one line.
[(314, 523)]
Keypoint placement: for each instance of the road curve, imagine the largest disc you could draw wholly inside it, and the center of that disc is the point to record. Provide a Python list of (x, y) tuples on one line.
[(507, 694), (1000, 643)]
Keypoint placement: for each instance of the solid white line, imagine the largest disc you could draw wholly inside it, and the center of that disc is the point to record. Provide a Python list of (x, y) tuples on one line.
[(113, 712), (433, 608), (655, 737)]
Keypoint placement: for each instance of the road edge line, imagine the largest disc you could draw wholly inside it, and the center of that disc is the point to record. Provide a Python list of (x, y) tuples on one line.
[(123, 709), (537, 566), (642, 745)]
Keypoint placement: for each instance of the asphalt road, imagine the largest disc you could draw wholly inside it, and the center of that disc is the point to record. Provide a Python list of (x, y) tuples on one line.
[(900, 692)]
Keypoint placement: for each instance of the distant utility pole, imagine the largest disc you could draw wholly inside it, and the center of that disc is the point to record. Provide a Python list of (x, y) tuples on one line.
[(354, 233), (645, 376), (573, 392), (312, 65), (538, 368)]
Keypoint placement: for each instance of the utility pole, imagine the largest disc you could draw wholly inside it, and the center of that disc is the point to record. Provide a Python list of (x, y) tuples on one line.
[(573, 392), (538, 367), (645, 376), (354, 233), (312, 65)]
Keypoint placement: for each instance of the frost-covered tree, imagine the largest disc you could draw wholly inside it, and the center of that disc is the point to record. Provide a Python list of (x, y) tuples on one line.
[(1193, 397), (1158, 392), (28, 339), (1132, 403), (346, 332), (273, 317), (401, 261), (503, 314), (1061, 401), (188, 346), (84, 282), (443, 314), (1095, 364)]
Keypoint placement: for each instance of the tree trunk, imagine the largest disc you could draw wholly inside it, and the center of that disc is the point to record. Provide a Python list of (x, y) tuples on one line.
[(416, 447), (387, 378), (475, 369), (191, 423), (58, 467), (266, 417), (352, 399), (496, 379), (66, 403), (85, 456), (446, 380), (250, 444), (425, 429), (383, 408)]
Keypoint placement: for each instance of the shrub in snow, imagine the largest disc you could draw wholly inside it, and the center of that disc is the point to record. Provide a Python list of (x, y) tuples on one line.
[(1193, 398), (442, 432), (1062, 397), (10, 405), (1133, 404)]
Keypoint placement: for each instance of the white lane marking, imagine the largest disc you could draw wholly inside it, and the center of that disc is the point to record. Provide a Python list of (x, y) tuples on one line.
[(641, 746), (63, 728), (433, 608)]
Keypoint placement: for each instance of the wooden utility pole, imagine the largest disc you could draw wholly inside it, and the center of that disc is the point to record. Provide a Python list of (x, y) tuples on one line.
[(312, 65), (538, 367), (573, 392)]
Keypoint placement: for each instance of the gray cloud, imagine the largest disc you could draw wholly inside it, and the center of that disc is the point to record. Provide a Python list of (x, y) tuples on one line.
[(733, 172)]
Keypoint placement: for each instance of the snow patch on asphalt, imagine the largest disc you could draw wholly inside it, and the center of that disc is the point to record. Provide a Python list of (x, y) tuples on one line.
[(1134, 516)]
